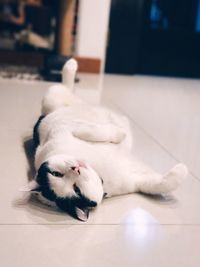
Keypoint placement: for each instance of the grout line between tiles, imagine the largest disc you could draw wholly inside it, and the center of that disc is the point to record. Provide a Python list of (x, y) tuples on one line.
[(98, 224), (153, 138)]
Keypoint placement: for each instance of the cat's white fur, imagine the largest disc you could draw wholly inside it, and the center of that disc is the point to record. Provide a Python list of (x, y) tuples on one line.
[(75, 131)]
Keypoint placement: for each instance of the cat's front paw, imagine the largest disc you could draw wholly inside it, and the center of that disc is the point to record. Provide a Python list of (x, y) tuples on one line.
[(118, 137), (85, 133)]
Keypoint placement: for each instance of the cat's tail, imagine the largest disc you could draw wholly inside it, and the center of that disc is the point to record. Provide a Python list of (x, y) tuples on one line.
[(167, 183), (60, 95)]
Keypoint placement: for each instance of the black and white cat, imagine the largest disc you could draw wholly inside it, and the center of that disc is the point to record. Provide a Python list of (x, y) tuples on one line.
[(84, 153)]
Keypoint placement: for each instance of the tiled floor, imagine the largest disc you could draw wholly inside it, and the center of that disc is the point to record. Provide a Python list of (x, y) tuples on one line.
[(133, 230)]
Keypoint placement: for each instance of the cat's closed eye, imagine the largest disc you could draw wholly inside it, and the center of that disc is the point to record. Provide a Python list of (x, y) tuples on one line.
[(57, 174), (77, 189)]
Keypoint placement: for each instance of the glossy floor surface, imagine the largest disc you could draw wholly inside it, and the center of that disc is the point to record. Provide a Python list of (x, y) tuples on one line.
[(133, 230)]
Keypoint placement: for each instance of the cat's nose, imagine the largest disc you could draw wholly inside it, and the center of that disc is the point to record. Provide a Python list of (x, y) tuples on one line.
[(76, 170)]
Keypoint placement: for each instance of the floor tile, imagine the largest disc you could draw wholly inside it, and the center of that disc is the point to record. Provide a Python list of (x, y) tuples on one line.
[(105, 245), (167, 109)]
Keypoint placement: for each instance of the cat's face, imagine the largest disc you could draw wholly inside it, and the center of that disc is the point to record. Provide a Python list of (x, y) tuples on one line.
[(72, 184)]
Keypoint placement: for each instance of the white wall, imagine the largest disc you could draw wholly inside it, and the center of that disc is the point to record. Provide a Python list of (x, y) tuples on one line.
[(92, 28)]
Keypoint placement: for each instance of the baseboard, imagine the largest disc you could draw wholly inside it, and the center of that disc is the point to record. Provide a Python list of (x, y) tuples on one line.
[(90, 65)]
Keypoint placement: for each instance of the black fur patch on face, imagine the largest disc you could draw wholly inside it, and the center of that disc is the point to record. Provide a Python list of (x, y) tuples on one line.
[(42, 180), (48, 193), (36, 136), (70, 205), (42, 177), (81, 202)]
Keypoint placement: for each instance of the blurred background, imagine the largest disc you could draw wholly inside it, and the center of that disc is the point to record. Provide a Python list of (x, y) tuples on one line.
[(156, 37), (160, 37)]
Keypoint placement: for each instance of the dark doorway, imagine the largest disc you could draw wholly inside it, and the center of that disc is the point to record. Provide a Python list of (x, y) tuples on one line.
[(159, 37), (124, 35)]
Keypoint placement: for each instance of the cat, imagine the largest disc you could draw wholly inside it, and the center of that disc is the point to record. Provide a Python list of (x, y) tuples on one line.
[(83, 154)]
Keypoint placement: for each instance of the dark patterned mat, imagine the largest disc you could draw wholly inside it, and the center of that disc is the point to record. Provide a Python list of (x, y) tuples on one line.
[(20, 72)]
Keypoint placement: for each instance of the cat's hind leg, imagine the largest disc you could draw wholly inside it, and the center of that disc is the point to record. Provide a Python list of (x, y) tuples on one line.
[(61, 95), (158, 184), (69, 72)]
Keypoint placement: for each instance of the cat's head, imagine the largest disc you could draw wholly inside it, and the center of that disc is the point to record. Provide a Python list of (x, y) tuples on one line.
[(72, 184)]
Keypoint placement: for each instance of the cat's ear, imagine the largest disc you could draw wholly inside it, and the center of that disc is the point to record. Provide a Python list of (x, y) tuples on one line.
[(31, 186), (82, 214)]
